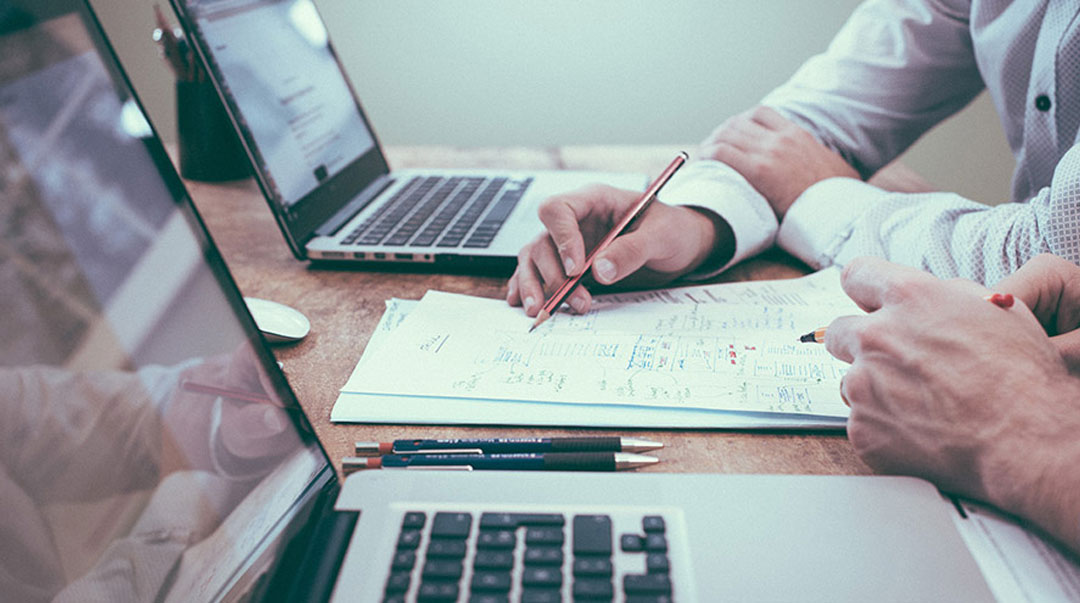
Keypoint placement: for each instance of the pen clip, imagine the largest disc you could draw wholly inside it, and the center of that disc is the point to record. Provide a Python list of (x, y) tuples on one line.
[(441, 451)]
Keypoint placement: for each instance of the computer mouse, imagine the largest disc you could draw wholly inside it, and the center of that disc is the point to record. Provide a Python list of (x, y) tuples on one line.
[(279, 323)]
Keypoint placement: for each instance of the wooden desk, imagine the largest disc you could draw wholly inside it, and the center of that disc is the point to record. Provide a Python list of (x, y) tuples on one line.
[(344, 307)]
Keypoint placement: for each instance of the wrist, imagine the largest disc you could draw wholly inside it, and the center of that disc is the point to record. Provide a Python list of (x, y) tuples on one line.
[(1032, 467), (716, 240)]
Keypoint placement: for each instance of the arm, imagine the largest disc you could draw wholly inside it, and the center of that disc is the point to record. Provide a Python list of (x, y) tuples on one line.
[(838, 219), (970, 396)]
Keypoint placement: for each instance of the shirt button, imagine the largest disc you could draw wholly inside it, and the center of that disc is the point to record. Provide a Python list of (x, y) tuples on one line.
[(1042, 103)]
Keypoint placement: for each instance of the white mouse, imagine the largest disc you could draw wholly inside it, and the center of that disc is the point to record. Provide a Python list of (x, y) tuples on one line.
[(279, 323)]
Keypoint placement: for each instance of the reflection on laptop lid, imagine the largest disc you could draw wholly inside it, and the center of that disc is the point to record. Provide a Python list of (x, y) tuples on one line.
[(131, 466)]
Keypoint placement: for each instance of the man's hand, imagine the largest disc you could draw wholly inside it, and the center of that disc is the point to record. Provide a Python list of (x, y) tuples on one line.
[(946, 386), (777, 157), (665, 243), (1050, 286)]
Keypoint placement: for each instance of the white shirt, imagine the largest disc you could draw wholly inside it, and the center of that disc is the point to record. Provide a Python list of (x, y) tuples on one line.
[(896, 69)]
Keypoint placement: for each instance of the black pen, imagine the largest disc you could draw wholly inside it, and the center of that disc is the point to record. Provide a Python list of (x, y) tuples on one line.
[(508, 445), (552, 461)]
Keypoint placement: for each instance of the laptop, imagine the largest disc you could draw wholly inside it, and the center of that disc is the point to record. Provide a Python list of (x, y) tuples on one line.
[(152, 450), (321, 169)]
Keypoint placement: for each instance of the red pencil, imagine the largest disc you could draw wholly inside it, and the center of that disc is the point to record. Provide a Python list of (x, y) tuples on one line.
[(642, 204)]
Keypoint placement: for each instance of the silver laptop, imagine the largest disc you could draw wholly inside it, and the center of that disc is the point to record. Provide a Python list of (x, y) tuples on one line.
[(152, 450), (320, 167)]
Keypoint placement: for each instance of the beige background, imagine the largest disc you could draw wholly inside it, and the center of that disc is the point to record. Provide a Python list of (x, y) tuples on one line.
[(560, 72)]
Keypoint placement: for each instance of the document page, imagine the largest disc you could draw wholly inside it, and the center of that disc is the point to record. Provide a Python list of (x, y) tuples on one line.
[(717, 347)]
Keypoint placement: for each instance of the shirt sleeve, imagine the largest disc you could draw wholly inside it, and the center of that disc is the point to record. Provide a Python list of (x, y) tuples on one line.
[(839, 219), (895, 69), (716, 187)]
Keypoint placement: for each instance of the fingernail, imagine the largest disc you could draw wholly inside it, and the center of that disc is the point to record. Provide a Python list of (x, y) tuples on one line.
[(569, 265), (605, 270), (511, 289), (529, 302), (272, 420), (577, 302)]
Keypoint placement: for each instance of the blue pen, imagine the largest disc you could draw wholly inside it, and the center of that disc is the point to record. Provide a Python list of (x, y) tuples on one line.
[(552, 461), (508, 445)]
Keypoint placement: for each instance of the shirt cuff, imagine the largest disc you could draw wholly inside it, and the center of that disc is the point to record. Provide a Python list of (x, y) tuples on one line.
[(820, 222), (716, 187)]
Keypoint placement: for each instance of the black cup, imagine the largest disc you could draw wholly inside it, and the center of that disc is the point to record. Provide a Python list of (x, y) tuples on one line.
[(209, 148)]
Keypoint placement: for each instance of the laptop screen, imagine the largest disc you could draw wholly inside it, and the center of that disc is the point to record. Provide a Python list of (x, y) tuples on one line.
[(273, 64), (150, 448)]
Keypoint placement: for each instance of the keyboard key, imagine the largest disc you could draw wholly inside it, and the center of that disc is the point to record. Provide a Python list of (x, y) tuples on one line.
[(403, 560), (632, 543), (655, 542), (657, 563), (398, 582), (592, 535), (541, 576), (593, 588), (489, 598), (652, 523), (544, 555), (408, 539), (491, 581), (496, 539), (592, 566), (438, 591), (395, 598), (649, 599), (413, 521), (541, 595), (544, 535), (442, 569), (513, 520), (493, 560), (440, 547), (647, 584), (451, 525)]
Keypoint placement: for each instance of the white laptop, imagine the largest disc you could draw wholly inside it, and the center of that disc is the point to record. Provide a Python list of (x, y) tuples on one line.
[(320, 167), (152, 450)]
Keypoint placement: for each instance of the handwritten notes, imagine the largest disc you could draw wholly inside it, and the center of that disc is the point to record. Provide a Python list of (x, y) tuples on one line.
[(718, 347)]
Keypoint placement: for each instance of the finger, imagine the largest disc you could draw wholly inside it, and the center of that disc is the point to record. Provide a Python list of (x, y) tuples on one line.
[(739, 159), (870, 281), (530, 288), (550, 268), (769, 118), (562, 216), (624, 256), (842, 337), (513, 296), (1050, 287), (1068, 345)]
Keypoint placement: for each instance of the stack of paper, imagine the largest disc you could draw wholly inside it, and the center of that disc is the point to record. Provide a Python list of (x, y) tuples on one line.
[(708, 356)]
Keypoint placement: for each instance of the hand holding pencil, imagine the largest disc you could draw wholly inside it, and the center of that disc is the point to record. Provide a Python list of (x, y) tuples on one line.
[(664, 243)]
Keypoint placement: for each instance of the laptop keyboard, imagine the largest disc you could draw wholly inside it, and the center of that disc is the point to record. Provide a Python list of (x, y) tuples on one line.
[(442, 212), (530, 557)]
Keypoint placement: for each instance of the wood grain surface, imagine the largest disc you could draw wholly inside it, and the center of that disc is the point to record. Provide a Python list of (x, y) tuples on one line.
[(345, 305)]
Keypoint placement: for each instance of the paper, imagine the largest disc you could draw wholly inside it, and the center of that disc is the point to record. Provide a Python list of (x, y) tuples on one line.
[(716, 347), (1018, 564)]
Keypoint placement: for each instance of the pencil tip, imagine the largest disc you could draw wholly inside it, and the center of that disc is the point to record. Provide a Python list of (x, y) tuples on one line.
[(540, 318)]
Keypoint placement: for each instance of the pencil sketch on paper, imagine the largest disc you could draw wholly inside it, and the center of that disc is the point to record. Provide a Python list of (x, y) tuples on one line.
[(724, 347)]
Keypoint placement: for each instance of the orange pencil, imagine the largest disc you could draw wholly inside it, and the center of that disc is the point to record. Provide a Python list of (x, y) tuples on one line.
[(1001, 300), (642, 204)]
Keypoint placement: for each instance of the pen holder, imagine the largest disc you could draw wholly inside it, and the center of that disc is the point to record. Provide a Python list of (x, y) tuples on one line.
[(209, 148)]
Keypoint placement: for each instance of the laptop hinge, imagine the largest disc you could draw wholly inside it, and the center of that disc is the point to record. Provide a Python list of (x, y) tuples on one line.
[(353, 207)]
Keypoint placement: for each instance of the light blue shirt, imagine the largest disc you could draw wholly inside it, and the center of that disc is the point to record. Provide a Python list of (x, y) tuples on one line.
[(896, 69)]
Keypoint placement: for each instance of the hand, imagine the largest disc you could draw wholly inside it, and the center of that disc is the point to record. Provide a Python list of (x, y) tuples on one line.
[(777, 157), (248, 437), (1050, 286), (666, 243), (946, 386)]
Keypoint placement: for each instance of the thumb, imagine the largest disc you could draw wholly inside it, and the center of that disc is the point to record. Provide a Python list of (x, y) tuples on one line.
[(623, 257)]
